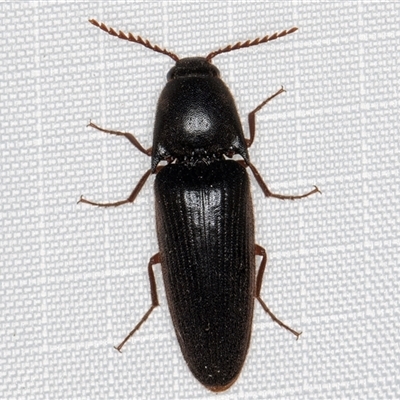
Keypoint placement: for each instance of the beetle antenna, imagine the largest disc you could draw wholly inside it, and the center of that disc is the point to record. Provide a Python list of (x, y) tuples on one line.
[(136, 39), (248, 43)]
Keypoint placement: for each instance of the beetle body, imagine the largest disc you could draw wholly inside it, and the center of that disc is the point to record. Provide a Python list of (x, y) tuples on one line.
[(204, 215), (205, 222)]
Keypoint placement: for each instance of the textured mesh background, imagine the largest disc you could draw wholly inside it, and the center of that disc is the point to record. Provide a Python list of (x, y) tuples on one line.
[(74, 278)]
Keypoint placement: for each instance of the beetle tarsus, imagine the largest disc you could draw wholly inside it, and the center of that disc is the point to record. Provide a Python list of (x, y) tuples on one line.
[(154, 299), (130, 199), (117, 348), (260, 251), (92, 203), (136, 328), (276, 319), (128, 135), (268, 193)]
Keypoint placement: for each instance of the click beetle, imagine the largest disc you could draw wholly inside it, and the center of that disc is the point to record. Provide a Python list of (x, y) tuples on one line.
[(204, 214)]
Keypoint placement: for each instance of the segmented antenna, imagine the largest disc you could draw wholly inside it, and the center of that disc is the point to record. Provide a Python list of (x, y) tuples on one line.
[(249, 43), (128, 36)]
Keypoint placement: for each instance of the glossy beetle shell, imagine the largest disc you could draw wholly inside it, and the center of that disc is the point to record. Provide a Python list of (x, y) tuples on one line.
[(205, 232)]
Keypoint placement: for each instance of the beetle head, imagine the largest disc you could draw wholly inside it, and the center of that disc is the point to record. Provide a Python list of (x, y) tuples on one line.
[(193, 67)]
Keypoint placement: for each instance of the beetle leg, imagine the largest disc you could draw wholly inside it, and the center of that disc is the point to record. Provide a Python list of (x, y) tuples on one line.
[(154, 299), (129, 136), (252, 116), (130, 199), (260, 251), (268, 193)]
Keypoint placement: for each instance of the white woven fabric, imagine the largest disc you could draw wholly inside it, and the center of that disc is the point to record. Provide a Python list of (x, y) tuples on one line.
[(73, 278)]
